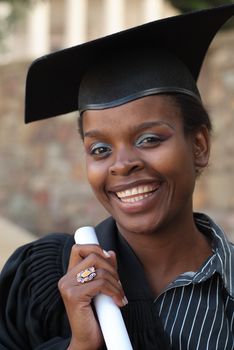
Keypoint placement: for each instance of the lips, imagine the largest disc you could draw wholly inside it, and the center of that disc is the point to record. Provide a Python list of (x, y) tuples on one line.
[(135, 194)]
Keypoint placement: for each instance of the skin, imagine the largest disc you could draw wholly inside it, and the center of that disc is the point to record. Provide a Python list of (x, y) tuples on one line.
[(141, 143), (77, 297)]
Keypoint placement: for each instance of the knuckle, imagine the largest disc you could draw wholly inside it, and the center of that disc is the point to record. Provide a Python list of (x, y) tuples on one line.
[(61, 284), (101, 273), (93, 258), (75, 249), (102, 283), (69, 296), (65, 290)]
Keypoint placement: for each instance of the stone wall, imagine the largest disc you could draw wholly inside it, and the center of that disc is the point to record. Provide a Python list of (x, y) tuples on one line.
[(42, 173), (216, 187)]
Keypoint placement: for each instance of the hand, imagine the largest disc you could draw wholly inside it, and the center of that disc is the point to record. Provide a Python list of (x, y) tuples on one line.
[(77, 297)]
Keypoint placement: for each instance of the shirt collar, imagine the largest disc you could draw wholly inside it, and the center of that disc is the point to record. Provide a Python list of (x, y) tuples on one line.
[(221, 262), (223, 250)]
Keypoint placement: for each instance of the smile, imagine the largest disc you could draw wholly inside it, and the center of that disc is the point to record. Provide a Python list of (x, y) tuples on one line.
[(136, 194)]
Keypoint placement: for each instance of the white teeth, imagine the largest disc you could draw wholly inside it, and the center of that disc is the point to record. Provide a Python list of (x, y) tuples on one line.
[(128, 193), (134, 191), (143, 190), (135, 199)]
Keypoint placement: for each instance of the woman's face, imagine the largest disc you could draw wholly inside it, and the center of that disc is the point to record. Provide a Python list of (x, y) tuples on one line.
[(140, 164)]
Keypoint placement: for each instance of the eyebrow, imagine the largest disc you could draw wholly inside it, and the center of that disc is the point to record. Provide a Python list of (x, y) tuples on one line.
[(93, 133), (135, 128), (150, 124)]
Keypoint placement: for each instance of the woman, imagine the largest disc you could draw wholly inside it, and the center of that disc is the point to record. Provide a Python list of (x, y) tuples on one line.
[(147, 138)]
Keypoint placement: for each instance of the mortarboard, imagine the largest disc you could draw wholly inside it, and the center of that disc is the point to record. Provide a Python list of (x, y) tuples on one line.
[(158, 57)]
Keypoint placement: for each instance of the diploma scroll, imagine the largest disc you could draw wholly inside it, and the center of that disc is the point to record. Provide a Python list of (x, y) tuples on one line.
[(109, 315)]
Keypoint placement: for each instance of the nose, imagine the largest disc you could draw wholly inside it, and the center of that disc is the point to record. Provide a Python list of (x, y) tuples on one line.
[(125, 163)]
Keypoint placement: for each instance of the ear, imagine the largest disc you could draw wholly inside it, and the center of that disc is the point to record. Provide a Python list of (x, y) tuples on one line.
[(201, 147)]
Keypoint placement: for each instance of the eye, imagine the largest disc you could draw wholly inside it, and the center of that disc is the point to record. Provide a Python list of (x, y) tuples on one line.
[(148, 140), (100, 150)]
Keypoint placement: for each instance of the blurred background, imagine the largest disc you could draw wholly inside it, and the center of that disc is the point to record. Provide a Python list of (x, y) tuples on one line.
[(43, 185)]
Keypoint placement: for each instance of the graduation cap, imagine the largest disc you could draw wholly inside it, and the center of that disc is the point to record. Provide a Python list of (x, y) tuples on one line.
[(164, 56)]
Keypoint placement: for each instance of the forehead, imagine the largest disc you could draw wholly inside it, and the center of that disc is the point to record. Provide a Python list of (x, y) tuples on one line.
[(159, 108)]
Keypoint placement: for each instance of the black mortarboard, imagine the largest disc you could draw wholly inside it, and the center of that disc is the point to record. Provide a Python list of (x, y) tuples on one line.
[(157, 57)]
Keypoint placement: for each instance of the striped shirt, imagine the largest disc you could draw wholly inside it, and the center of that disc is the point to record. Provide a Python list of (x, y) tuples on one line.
[(197, 309)]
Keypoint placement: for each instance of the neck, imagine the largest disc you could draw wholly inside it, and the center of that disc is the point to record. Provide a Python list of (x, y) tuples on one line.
[(170, 251)]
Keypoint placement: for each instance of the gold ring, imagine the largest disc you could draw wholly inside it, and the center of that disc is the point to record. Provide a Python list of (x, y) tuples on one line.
[(86, 275)]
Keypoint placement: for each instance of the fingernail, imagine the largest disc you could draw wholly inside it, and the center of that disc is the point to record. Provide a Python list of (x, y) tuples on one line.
[(106, 253), (125, 301)]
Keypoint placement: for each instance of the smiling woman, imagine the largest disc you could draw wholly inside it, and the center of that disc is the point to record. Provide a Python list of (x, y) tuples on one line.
[(146, 137), (143, 148)]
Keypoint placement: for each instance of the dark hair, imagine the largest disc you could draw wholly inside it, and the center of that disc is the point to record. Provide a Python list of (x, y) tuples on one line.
[(80, 125), (192, 110), (193, 113)]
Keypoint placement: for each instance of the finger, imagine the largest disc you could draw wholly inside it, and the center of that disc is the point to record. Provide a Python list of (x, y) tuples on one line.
[(104, 284), (79, 252), (107, 276), (99, 262), (92, 260), (113, 259), (82, 293)]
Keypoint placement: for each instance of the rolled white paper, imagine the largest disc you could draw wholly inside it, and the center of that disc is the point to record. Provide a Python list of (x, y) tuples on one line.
[(109, 315)]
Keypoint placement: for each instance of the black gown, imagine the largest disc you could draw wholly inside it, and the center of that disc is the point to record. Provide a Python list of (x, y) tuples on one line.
[(32, 314)]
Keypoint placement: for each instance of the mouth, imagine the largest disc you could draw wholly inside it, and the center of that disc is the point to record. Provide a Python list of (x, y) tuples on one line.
[(138, 193)]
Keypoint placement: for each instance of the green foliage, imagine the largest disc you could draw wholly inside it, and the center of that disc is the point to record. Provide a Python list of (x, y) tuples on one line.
[(17, 10), (189, 5)]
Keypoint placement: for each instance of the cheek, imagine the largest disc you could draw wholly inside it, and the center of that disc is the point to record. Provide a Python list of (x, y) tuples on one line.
[(181, 170), (175, 161), (96, 174)]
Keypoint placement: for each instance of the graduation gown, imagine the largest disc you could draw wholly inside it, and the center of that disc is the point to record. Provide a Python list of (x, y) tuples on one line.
[(32, 314)]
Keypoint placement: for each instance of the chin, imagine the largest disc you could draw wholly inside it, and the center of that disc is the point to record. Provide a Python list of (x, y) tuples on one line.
[(140, 227), (146, 225)]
